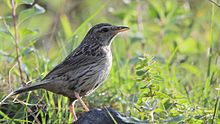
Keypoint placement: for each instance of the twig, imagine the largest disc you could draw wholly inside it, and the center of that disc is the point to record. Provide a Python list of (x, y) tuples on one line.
[(24, 103), (9, 95), (215, 3), (113, 119), (33, 115), (31, 112), (16, 40)]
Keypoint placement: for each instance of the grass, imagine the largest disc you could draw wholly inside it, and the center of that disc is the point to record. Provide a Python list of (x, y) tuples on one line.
[(165, 69)]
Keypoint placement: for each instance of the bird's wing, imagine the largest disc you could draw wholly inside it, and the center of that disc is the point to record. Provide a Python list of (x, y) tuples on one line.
[(72, 67)]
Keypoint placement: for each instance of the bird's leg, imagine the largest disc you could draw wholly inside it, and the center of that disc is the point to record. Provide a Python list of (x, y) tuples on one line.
[(72, 110), (81, 101)]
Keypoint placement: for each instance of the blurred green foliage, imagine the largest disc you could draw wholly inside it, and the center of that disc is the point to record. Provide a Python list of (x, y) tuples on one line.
[(165, 69)]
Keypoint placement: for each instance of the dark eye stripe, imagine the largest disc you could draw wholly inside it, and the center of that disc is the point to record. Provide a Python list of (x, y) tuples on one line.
[(105, 30)]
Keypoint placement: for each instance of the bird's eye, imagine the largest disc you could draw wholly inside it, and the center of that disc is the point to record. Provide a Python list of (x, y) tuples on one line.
[(104, 30)]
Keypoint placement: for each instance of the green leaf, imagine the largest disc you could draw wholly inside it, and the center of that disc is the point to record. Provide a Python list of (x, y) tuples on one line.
[(27, 52), (27, 34), (19, 2), (8, 3), (5, 17), (140, 72), (152, 11), (5, 36), (175, 119), (137, 37), (188, 46), (26, 14), (66, 26), (191, 68)]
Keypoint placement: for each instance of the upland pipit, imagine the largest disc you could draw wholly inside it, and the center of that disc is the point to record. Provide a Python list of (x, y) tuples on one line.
[(84, 69)]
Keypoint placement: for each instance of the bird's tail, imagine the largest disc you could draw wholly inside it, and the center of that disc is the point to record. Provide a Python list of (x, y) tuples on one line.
[(24, 89), (28, 88)]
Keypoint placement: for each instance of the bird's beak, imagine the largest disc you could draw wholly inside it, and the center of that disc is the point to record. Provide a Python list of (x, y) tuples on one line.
[(120, 28)]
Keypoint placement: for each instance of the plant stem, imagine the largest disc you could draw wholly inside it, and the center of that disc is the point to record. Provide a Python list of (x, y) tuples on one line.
[(16, 38), (209, 74), (215, 3), (215, 109), (140, 22)]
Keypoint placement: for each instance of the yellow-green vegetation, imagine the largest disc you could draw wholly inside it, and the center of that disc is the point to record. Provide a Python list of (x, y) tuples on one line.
[(165, 69)]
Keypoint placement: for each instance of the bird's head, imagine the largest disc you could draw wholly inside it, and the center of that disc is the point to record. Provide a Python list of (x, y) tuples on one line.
[(103, 33)]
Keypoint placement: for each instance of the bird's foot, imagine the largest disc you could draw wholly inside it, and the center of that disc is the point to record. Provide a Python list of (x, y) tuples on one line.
[(72, 110), (81, 101)]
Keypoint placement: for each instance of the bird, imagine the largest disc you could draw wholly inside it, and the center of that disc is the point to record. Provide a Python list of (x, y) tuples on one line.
[(84, 69)]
